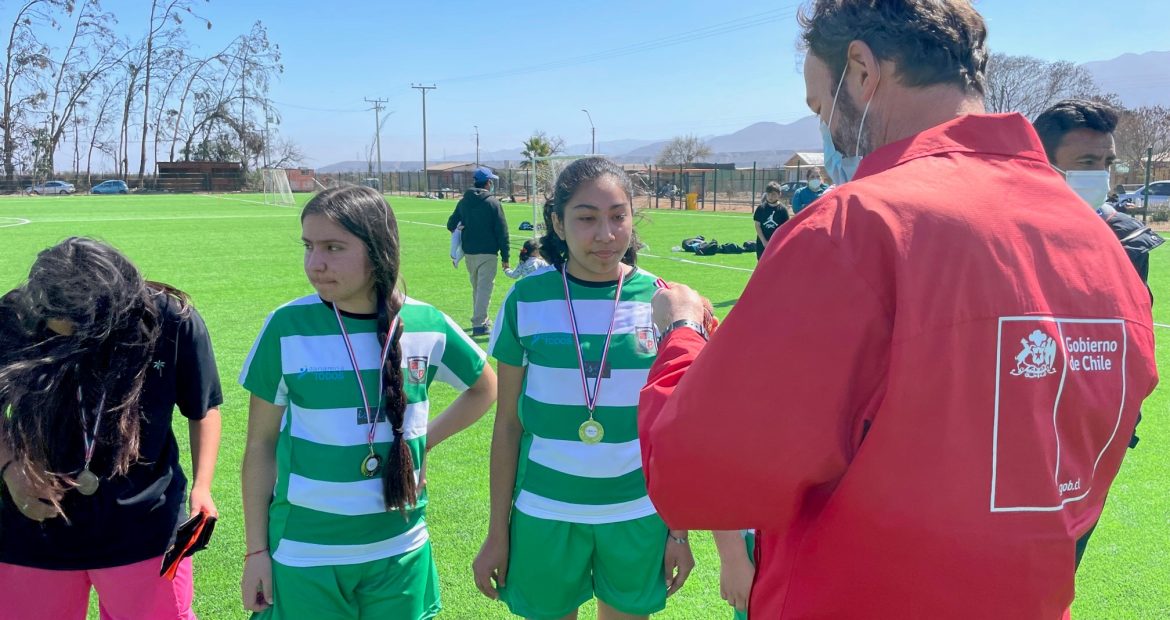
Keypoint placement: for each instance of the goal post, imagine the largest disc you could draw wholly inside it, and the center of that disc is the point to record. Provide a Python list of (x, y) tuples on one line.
[(542, 183), (276, 188)]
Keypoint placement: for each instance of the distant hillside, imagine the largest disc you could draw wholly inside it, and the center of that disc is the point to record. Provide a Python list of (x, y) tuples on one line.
[(1139, 79)]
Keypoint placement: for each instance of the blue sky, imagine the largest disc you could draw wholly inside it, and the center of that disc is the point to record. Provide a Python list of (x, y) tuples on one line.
[(665, 68)]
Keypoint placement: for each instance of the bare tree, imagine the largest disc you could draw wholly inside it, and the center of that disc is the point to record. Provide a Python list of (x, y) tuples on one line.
[(102, 120), (1140, 129), (1029, 85), (683, 150), (91, 52), (165, 32), (24, 59)]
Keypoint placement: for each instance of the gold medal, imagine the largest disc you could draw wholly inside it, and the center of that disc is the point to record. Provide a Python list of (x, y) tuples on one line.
[(591, 432), (371, 465), (87, 482)]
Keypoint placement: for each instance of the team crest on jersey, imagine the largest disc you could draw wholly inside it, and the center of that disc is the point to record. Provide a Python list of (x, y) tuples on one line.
[(416, 369), (646, 341), (1035, 360)]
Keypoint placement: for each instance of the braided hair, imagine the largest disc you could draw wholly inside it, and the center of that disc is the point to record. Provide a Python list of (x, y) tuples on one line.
[(365, 214)]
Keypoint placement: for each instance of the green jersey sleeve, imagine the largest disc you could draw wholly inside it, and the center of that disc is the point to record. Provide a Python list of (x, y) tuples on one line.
[(462, 361), (505, 343), (263, 372)]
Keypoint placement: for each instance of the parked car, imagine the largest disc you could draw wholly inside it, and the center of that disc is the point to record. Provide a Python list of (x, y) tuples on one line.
[(787, 190), (1158, 191), (52, 187), (113, 186)]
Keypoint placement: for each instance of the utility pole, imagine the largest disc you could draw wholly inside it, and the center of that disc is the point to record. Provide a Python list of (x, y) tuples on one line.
[(476, 145), (593, 130), (378, 135), (426, 175)]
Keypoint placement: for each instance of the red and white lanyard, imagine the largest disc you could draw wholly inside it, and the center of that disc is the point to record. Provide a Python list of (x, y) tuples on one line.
[(591, 399), (371, 415)]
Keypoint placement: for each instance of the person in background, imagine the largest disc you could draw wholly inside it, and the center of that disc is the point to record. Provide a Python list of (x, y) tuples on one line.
[(807, 194), (1078, 139), (484, 236), (530, 260), (768, 217)]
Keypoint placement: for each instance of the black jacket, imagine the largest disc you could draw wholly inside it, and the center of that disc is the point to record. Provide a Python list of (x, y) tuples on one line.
[(485, 231)]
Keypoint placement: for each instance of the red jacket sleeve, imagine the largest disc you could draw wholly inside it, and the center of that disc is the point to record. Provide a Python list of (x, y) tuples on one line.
[(755, 428)]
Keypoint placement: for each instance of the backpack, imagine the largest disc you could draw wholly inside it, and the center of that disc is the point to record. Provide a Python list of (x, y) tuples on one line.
[(689, 245), (525, 225), (749, 246), (730, 248), (707, 248)]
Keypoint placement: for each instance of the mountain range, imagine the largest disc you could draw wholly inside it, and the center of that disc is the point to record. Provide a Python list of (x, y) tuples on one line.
[(1137, 79)]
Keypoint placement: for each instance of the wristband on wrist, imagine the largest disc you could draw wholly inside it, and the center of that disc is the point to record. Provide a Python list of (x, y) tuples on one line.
[(698, 327), (682, 540), (256, 552)]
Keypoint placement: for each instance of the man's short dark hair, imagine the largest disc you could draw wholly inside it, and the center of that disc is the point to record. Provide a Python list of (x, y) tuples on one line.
[(931, 41), (1056, 122), (482, 184)]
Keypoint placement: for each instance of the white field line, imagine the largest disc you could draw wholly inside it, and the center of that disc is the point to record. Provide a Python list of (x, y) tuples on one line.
[(640, 254), (9, 222), (153, 219)]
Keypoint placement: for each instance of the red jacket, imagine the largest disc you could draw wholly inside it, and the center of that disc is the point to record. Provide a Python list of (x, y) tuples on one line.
[(940, 409)]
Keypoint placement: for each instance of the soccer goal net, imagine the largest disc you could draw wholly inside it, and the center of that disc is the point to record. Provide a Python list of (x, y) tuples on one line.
[(542, 183), (276, 188)]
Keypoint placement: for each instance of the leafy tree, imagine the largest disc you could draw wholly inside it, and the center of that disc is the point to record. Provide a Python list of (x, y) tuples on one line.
[(683, 150)]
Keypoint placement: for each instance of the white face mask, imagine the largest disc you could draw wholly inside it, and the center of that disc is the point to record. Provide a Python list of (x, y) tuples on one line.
[(1091, 185), (840, 167), (814, 184)]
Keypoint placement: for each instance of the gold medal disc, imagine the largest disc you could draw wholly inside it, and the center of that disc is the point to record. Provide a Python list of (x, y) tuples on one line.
[(87, 482), (591, 432), (371, 465)]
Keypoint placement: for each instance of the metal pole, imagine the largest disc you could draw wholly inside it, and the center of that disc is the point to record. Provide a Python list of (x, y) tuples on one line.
[(715, 192), (426, 174), (378, 136), (752, 200), (476, 145), (1146, 189), (593, 131)]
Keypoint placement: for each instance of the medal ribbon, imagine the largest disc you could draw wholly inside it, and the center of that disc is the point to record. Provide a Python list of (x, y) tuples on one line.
[(591, 399), (90, 442), (357, 373)]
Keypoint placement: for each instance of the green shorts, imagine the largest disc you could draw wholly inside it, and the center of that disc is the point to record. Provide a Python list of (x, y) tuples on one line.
[(555, 566), (749, 540), (403, 586)]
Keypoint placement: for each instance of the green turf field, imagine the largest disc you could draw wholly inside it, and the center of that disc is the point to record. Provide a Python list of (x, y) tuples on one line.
[(239, 259)]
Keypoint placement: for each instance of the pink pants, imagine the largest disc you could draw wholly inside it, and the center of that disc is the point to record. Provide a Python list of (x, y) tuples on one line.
[(131, 592)]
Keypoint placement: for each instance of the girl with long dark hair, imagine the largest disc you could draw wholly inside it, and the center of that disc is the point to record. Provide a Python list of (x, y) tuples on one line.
[(333, 480), (570, 517), (94, 360)]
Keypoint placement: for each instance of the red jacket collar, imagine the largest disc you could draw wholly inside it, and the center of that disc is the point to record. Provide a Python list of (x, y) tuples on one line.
[(994, 134)]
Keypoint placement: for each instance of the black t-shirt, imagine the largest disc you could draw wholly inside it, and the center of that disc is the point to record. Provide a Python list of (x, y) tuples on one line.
[(133, 517), (770, 218)]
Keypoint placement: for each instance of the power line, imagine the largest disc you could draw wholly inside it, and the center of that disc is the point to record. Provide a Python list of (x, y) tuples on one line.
[(749, 21)]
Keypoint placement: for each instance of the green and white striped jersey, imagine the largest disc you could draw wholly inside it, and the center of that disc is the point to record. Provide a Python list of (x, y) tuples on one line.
[(324, 511), (558, 476)]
